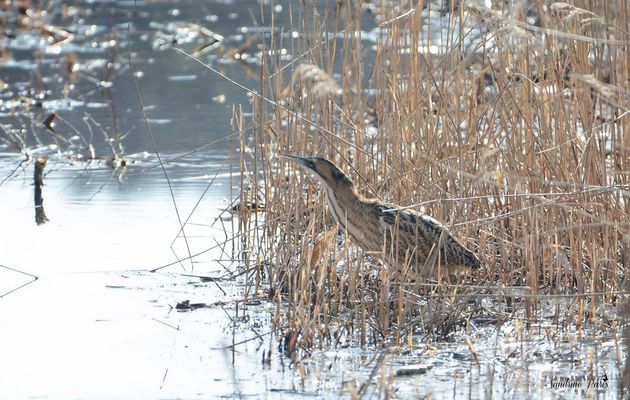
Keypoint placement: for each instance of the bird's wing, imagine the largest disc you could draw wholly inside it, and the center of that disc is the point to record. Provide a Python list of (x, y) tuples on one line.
[(454, 251), (412, 223), (424, 235)]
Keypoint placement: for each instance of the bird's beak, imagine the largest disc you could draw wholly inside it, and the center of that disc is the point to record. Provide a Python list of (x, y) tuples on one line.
[(300, 160)]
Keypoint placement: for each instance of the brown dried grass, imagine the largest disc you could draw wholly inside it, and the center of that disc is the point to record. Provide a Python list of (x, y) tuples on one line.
[(517, 143)]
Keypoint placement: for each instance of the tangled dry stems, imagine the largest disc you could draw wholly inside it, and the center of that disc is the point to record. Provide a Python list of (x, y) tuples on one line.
[(514, 138)]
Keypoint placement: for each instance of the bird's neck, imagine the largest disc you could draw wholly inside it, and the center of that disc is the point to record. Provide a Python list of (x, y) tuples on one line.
[(351, 211), (345, 194), (342, 201)]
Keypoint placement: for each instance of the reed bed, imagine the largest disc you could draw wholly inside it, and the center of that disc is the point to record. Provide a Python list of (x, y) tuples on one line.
[(508, 125)]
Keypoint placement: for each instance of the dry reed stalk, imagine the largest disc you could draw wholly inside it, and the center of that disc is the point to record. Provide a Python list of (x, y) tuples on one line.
[(517, 141)]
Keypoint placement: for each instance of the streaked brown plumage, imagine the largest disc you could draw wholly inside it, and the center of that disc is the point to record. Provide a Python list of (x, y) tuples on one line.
[(401, 237)]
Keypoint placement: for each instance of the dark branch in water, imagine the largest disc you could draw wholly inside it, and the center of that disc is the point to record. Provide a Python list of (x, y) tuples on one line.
[(40, 214)]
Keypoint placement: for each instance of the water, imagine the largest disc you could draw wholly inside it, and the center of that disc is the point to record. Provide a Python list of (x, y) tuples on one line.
[(95, 324)]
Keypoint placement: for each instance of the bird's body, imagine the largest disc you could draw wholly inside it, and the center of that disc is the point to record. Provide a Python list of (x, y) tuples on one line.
[(407, 239)]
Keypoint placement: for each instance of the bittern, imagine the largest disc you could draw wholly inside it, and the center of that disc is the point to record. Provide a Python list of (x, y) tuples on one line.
[(404, 238)]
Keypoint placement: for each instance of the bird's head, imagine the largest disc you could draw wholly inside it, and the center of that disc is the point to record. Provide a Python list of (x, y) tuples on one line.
[(327, 172)]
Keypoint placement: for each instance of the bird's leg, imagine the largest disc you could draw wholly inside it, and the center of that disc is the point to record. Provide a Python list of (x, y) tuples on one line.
[(430, 263), (406, 271)]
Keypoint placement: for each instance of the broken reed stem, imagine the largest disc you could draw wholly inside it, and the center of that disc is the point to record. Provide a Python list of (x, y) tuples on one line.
[(40, 213)]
